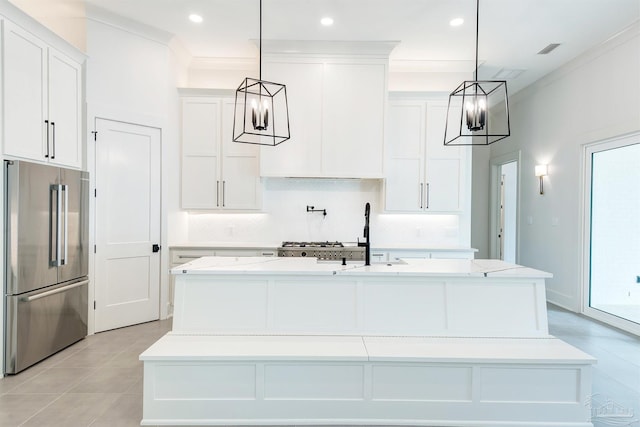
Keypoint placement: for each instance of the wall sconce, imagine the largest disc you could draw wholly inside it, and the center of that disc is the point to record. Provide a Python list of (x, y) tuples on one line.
[(541, 171)]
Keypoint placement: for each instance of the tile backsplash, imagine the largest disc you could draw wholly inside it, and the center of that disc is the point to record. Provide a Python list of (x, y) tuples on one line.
[(285, 217)]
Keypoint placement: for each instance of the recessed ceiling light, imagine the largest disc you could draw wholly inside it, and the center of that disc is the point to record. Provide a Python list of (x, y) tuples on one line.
[(456, 22), (195, 18), (326, 21)]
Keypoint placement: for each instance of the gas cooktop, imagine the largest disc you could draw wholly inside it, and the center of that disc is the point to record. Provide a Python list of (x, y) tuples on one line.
[(322, 250), (312, 244)]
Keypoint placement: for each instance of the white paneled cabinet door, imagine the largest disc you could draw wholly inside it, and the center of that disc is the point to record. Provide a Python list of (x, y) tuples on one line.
[(127, 273), (65, 85), (300, 155), (423, 175), (200, 153), (217, 173), (353, 120), (444, 163), (240, 167), (25, 93), (404, 186), (200, 184)]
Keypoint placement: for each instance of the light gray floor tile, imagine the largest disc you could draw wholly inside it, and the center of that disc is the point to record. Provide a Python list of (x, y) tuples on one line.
[(73, 409), (53, 380), (112, 380), (17, 408), (85, 358), (125, 359), (126, 411), (136, 388), (10, 382)]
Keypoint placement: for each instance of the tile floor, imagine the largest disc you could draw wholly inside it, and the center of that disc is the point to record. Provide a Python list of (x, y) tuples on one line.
[(98, 381)]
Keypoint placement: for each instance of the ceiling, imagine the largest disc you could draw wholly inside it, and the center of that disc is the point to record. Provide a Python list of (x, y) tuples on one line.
[(511, 32)]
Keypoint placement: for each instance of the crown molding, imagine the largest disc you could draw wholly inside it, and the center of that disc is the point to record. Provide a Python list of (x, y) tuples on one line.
[(103, 16), (328, 47)]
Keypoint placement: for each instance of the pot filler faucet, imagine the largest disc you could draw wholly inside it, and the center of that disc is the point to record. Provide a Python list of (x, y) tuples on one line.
[(367, 244)]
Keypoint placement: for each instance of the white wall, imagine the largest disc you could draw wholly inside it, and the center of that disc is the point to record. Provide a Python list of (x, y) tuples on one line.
[(480, 198), (592, 98), (132, 76)]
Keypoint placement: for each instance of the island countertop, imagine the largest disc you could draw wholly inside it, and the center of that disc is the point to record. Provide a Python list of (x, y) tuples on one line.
[(311, 266)]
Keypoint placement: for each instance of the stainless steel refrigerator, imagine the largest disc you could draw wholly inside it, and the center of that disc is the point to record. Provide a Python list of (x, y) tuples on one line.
[(46, 261)]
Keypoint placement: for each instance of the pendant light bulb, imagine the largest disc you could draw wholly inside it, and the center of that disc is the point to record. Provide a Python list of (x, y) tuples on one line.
[(476, 112), (260, 115)]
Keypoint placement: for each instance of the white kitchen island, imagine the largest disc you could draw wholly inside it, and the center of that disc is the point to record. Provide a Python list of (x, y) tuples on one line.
[(291, 341)]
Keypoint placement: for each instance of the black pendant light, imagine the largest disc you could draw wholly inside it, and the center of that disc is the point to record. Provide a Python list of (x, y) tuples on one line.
[(478, 110), (261, 112)]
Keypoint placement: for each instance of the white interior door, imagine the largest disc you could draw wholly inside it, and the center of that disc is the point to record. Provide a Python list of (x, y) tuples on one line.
[(127, 272), (505, 175)]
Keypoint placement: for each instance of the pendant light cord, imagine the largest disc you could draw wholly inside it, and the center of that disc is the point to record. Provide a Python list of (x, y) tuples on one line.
[(475, 73), (260, 48)]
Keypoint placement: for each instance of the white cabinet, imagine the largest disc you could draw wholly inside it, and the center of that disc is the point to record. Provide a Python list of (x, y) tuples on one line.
[(302, 154), (422, 174), (336, 117), (42, 100), (217, 173), (353, 120)]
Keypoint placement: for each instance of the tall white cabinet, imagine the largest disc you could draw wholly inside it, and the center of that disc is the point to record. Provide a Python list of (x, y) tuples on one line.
[(217, 173), (337, 104), (42, 100), (423, 175)]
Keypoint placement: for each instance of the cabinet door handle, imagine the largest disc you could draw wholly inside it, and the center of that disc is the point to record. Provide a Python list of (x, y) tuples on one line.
[(53, 153), (421, 194), (46, 122), (217, 193), (223, 185), (428, 194)]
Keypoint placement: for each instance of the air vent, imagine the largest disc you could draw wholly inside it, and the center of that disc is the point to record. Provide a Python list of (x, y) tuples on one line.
[(507, 74), (548, 49)]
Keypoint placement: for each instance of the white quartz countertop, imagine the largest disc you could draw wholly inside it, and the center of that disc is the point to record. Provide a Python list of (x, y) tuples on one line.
[(274, 245), (311, 266), (225, 245)]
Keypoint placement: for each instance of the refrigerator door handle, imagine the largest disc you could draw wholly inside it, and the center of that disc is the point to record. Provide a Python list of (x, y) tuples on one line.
[(59, 225), (54, 291), (65, 253), (53, 245)]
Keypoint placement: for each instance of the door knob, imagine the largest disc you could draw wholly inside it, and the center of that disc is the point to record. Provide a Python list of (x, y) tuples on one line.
[(155, 247)]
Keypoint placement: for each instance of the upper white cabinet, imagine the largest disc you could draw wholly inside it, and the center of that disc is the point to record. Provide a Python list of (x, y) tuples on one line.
[(302, 154), (42, 98), (217, 173), (423, 175), (336, 115)]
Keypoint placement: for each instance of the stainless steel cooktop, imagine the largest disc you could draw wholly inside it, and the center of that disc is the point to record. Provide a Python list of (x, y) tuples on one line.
[(323, 250)]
